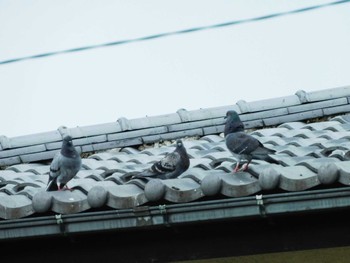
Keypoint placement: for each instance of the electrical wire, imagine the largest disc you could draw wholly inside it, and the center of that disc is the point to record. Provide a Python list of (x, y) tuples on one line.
[(167, 34)]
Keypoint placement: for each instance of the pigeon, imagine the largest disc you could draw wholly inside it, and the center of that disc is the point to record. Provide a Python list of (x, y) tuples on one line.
[(243, 145), (64, 166), (171, 166)]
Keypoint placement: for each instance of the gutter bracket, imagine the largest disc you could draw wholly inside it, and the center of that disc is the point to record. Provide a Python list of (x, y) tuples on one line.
[(163, 211), (260, 203), (143, 216), (60, 223)]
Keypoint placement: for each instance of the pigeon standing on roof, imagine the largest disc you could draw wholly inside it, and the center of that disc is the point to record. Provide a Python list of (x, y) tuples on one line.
[(171, 166), (64, 166), (243, 145)]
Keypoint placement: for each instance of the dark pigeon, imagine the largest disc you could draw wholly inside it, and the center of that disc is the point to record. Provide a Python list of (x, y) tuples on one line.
[(243, 145), (171, 166), (64, 166)]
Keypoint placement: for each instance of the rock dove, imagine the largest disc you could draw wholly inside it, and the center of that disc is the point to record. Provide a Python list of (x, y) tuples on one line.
[(64, 166), (243, 145), (171, 166)]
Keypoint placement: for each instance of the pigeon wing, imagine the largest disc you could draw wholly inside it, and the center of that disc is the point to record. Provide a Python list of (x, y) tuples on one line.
[(241, 143), (263, 153), (168, 163), (54, 172)]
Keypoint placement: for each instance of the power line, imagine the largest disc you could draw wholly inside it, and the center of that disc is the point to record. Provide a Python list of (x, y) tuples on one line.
[(179, 32)]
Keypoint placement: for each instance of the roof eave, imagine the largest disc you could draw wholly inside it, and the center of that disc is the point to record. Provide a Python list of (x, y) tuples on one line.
[(176, 214)]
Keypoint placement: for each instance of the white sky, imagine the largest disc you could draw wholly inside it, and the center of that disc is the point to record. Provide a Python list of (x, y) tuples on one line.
[(211, 68)]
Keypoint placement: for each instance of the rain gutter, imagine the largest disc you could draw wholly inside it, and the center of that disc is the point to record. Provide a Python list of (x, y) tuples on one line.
[(176, 214)]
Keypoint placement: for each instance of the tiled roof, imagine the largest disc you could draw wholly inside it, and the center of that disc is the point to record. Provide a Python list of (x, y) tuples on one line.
[(311, 155)]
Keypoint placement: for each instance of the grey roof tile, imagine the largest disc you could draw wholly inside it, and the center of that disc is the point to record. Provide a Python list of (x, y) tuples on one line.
[(307, 142), (137, 133), (10, 176), (326, 94), (182, 190), (92, 164), (15, 206), (318, 105), (8, 187), (286, 160), (260, 115), (297, 178), (196, 174), (344, 172), (240, 184), (336, 110), (172, 135), (83, 185), (272, 140), (93, 130), (156, 151), (268, 104), (294, 117), (212, 138), (97, 175), (10, 161), (292, 125), (329, 143), (34, 139), (116, 177), (4, 173), (219, 156), (29, 191), (278, 132), (315, 163), (257, 169), (125, 196), (195, 125), (226, 166), (337, 136), (154, 121), (323, 126), (111, 144), (128, 150), (68, 202), (210, 113), (310, 154), (342, 118), (24, 167), (103, 156), (203, 163), (32, 157), (23, 150), (340, 154), (292, 150)]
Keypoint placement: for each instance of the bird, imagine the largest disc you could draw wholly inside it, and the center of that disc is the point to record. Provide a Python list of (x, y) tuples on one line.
[(170, 166), (64, 166), (243, 145)]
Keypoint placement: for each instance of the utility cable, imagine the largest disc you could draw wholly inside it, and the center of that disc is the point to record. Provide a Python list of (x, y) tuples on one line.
[(179, 32)]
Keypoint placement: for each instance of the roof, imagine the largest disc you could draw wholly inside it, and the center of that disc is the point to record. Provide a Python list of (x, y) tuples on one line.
[(313, 174)]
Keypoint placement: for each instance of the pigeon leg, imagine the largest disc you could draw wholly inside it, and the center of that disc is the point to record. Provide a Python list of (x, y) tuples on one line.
[(64, 188), (67, 188), (244, 167), (236, 168)]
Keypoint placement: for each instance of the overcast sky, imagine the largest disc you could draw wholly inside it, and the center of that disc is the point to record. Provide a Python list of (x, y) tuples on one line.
[(211, 68)]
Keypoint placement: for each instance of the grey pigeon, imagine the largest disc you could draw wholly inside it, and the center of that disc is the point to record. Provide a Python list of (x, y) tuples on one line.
[(243, 145), (64, 166), (171, 166)]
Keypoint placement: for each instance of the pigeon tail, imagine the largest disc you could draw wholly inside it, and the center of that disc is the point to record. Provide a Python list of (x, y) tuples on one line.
[(52, 185), (263, 153)]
